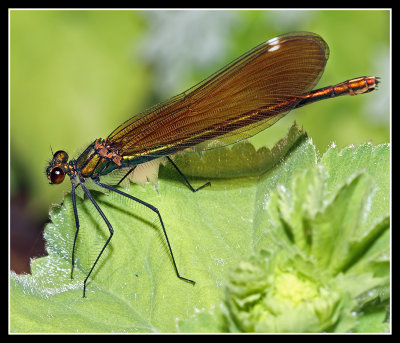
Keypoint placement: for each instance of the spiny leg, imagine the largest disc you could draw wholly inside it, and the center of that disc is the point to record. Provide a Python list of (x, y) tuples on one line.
[(154, 209), (186, 180), (76, 224), (125, 176), (108, 240)]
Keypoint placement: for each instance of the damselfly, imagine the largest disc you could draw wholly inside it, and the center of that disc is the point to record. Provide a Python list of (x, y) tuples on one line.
[(243, 98)]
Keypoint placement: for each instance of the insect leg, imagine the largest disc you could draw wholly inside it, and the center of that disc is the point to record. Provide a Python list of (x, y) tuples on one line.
[(76, 224), (130, 171), (185, 179), (108, 240), (154, 209)]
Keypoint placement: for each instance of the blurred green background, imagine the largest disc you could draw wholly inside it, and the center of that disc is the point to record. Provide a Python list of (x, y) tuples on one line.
[(76, 75)]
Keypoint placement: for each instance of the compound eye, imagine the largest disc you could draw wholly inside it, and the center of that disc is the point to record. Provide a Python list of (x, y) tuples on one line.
[(57, 175)]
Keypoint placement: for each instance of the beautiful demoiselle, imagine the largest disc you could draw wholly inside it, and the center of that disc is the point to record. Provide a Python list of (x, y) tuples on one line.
[(247, 96)]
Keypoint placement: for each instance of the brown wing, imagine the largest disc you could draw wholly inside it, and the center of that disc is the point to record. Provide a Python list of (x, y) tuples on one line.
[(245, 97)]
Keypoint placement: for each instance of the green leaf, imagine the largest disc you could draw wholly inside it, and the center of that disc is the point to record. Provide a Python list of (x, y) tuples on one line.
[(325, 263), (134, 287)]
